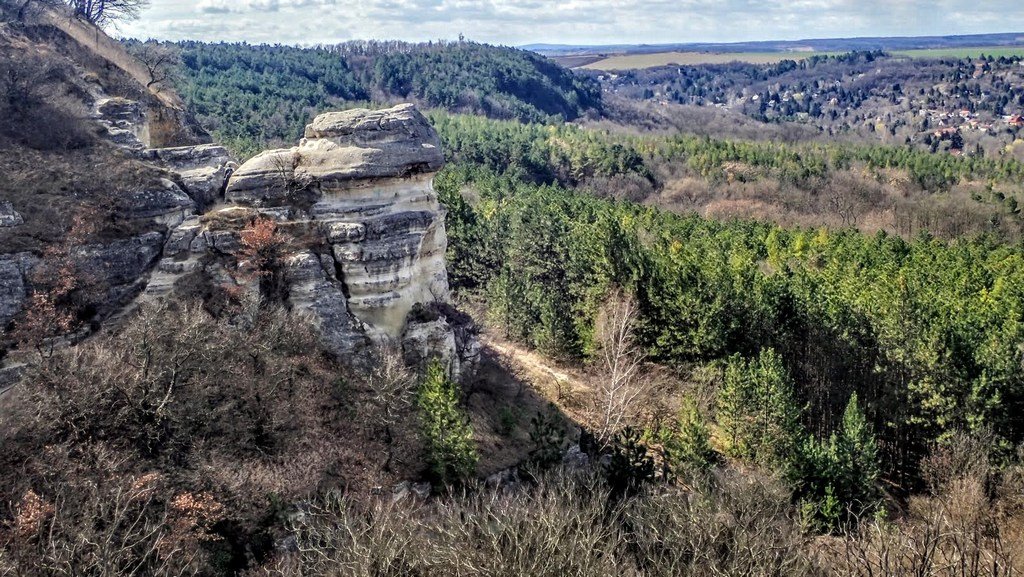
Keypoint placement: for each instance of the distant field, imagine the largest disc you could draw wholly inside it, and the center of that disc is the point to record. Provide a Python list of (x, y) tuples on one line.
[(967, 52), (632, 61)]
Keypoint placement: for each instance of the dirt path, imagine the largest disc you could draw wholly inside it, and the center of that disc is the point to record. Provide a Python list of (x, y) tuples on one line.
[(527, 359)]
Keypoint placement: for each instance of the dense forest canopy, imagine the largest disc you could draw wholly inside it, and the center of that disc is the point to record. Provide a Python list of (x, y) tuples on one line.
[(252, 95)]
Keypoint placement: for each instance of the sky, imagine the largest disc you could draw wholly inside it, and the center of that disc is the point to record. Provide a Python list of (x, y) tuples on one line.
[(518, 22)]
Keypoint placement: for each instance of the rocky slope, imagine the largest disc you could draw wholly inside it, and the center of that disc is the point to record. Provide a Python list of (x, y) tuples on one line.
[(362, 233), (360, 229)]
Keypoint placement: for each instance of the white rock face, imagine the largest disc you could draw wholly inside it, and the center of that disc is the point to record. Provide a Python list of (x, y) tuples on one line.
[(364, 180), (366, 238)]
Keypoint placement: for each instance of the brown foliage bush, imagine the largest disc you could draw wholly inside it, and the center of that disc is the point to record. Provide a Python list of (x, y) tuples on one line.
[(234, 416)]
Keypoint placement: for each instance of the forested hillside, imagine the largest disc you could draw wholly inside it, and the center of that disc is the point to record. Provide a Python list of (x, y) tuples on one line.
[(897, 189), (251, 95)]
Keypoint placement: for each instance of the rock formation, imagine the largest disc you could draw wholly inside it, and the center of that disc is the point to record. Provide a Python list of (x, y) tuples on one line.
[(366, 238), (366, 179), (365, 250)]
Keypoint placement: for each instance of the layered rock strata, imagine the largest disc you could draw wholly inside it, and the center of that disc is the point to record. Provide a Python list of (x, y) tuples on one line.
[(363, 234), (366, 238)]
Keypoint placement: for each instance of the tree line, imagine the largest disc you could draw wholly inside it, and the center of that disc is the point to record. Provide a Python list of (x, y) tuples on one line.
[(928, 335)]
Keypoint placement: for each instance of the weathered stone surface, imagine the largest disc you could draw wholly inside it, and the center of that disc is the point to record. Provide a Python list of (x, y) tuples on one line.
[(8, 216), (13, 288), (124, 120), (121, 265), (203, 169), (341, 147), (366, 177), (392, 130), (344, 232), (266, 179), (165, 201), (428, 340), (439, 331), (312, 288), (367, 232)]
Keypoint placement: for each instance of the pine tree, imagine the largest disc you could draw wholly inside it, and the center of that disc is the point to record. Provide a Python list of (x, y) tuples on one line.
[(690, 447), (857, 456), (451, 452), (758, 410)]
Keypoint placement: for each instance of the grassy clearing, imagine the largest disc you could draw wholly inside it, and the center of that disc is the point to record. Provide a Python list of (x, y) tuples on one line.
[(969, 52), (632, 61)]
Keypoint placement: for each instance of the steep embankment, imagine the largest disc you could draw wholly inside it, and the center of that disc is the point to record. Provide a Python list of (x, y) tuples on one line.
[(345, 227), (86, 203)]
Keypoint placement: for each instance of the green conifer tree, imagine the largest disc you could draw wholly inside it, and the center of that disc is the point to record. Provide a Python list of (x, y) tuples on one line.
[(451, 452)]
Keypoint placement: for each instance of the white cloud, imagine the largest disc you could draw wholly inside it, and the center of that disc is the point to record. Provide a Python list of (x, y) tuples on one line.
[(568, 21), (215, 6)]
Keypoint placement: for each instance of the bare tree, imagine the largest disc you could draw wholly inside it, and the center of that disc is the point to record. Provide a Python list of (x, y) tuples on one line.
[(391, 386), (162, 62), (104, 12), (620, 386)]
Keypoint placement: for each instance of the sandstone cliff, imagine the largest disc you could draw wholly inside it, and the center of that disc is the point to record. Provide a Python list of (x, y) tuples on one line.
[(166, 213), (365, 234)]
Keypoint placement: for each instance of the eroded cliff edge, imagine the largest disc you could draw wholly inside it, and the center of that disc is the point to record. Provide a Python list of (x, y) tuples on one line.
[(361, 235)]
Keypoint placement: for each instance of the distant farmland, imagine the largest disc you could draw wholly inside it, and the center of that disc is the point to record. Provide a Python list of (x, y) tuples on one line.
[(967, 52), (632, 61)]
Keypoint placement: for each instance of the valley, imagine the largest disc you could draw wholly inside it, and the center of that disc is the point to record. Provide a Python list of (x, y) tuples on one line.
[(458, 308)]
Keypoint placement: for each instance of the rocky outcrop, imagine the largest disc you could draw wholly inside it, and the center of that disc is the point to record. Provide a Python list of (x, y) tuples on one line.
[(8, 216), (438, 330), (14, 269), (364, 180), (203, 170), (361, 234), (164, 201), (366, 232), (124, 121), (120, 267)]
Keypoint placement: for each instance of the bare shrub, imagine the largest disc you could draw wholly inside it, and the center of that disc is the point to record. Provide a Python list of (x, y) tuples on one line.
[(175, 375), (959, 530), (62, 291), (104, 12), (94, 516), (620, 386), (392, 389), (733, 523), (559, 528), (567, 525), (162, 62)]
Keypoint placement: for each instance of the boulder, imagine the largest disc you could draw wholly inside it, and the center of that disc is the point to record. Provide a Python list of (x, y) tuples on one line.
[(339, 148), (8, 216), (202, 169), (164, 201)]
